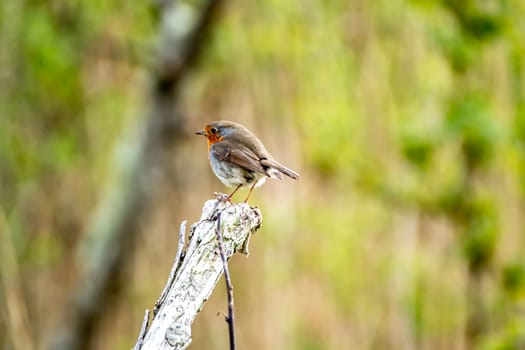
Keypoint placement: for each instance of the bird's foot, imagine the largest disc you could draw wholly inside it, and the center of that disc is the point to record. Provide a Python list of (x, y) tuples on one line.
[(222, 197)]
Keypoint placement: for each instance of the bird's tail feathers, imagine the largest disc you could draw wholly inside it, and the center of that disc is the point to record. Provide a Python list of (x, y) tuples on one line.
[(281, 169)]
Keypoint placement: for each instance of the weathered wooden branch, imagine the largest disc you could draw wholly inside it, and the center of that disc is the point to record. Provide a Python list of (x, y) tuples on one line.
[(198, 272)]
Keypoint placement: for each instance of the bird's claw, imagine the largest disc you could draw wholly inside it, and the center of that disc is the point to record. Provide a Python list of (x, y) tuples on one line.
[(222, 197)]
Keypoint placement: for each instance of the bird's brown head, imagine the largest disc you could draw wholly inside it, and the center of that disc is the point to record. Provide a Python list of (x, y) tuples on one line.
[(217, 131)]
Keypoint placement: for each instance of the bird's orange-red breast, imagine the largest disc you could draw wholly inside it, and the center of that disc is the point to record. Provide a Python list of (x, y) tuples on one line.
[(238, 158)]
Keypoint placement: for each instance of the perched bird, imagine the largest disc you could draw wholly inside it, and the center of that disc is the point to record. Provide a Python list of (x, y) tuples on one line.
[(239, 159)]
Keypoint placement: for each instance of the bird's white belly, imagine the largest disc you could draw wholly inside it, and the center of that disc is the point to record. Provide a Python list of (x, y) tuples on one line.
[(233, 176)]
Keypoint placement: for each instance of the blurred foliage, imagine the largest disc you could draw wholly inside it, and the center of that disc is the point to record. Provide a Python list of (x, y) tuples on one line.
[(405, 118)]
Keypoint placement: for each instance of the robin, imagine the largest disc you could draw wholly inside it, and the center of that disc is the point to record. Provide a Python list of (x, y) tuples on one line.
[(239, 159)]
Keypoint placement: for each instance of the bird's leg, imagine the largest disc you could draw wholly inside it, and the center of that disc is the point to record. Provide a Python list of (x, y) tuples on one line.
[(249, 193), (229, 198)]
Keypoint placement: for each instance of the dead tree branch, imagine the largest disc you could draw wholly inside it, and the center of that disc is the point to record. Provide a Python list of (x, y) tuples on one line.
[(199, 272)]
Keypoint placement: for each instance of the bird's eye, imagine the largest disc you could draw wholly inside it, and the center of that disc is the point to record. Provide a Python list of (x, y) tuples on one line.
[(213, 130)]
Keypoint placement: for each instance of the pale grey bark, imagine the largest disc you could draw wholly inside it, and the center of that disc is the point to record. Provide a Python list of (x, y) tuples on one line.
[(198, 272)]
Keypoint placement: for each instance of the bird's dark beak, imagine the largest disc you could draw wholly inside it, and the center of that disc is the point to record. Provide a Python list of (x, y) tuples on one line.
[(200, 132)]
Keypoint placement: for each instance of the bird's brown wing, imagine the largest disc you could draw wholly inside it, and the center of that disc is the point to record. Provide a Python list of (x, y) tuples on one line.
[(244, 157)]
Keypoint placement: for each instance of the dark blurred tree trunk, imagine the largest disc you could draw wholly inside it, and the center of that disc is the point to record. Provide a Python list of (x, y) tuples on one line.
[(476, 318), (116, 226)]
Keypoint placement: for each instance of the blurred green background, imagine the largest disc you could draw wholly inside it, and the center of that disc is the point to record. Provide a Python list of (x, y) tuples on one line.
[(406, 120)]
